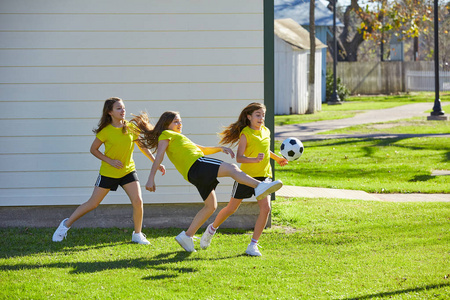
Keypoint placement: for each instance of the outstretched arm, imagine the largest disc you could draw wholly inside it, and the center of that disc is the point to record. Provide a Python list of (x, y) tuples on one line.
[(150, 156), (280, 160), (162, 146), (212, 150)]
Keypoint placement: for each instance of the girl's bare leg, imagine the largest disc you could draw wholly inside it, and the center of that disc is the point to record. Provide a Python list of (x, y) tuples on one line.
[(264, 211), (97, 196), (203, 215), (231, 170), (133, 191), (227, 211)]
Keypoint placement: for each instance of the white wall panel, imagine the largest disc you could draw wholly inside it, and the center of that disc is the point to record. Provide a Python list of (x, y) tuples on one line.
[(157, 74), (59, 61), (128, 91), (131, 22), (130, 57), (132, 6), (155, 40)]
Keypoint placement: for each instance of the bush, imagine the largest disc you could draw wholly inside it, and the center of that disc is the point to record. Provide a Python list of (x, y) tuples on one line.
[(342, 91)]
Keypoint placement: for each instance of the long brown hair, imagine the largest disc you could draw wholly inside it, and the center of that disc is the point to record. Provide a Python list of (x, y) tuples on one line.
[(149, 134), (106, 119), (230, 135)]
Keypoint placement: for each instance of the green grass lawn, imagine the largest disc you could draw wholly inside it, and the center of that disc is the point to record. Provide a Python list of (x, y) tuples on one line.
[(394, 165), (317, 249), (398, 165)]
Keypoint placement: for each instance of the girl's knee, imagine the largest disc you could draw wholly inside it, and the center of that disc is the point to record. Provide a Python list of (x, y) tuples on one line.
[(264, 208), (231, 168), (137, 202), (211, 207)]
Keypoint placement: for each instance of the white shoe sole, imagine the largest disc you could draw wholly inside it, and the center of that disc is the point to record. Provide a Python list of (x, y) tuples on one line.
[(270, 190), (181, 244)]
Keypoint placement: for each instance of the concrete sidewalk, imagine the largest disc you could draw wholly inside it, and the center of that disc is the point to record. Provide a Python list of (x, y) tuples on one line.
[(309, 131), (313, 192)]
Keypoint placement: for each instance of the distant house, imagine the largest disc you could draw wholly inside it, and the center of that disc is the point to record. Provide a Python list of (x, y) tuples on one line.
[(298, 10), (292, 50)]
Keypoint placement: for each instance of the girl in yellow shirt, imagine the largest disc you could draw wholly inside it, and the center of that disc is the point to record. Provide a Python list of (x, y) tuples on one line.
[(117, 168), (254, 154), (190, 161)]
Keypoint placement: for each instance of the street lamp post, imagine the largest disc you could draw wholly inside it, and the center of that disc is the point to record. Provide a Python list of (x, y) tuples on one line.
[(437, 113), (334, 97)]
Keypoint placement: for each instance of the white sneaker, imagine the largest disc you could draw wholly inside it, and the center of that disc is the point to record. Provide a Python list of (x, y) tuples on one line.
[(186, 242), (266, 188), (253, 250), (206, 238), (60, 232), (140, 238)]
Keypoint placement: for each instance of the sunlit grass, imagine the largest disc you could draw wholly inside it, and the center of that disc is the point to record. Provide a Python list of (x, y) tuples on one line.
[(317, 249), (397, 165)]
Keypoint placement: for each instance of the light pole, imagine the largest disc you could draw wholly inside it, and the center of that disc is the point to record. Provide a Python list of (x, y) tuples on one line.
[(334, 97), (437, 113)]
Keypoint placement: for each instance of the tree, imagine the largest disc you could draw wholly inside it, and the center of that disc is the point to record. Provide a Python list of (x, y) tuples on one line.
[(312, 59), (378, 20), (350, 37)]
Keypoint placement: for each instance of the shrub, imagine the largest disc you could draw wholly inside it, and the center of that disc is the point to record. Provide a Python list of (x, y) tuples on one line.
[(342, 91)]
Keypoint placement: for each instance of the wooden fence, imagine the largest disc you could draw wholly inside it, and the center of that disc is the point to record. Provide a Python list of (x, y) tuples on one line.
[(371, 78)]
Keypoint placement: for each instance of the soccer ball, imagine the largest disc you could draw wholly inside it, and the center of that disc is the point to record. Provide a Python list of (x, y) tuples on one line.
[(291, 148)]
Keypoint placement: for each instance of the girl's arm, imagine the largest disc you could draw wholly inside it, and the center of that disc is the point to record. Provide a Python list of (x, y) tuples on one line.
[(162, 146), (241, 158), (212, 150), (94, 150), (280, 160), (150, 156)]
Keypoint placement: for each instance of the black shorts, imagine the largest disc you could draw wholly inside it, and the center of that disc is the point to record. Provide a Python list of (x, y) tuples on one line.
[(203, 174), (112, 183), (242, 191)]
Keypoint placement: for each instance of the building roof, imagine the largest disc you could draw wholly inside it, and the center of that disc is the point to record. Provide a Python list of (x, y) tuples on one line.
[(298, 10), (292, 33)]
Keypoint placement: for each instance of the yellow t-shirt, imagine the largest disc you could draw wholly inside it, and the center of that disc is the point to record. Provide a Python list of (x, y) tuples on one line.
[(181, 151), (120, 146), (258, 141)]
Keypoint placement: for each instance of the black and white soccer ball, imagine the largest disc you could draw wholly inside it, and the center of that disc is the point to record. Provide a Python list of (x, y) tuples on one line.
[(291, 148)]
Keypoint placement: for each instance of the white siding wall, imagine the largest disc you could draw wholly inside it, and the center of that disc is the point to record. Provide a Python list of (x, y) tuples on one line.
[(291, 79), (59, 61), (284, 77)]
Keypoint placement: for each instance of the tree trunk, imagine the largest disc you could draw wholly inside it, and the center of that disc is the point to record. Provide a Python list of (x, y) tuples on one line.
[(312, 59)]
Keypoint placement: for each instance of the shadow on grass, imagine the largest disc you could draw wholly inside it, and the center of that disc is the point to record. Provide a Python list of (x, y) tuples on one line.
[(399, 292), (17, 242), (422, 178), (163, 262)]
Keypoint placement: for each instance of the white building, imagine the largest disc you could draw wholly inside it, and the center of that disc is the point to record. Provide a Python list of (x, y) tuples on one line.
[(59, 61), (292, 68)]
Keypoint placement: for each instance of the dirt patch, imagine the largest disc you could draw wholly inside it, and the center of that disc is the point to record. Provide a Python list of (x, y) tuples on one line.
[(286, 229)]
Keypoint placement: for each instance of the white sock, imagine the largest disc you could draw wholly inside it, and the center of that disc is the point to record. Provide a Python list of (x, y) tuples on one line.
[(211, 229)]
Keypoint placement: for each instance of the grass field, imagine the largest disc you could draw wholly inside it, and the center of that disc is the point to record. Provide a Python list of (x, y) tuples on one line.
[(400, 165), (317, 249)]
